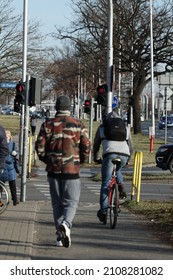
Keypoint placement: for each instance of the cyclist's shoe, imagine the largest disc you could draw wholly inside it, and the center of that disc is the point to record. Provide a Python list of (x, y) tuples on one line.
[(101, 216), (1, 204), (123, 194), (65, 233)]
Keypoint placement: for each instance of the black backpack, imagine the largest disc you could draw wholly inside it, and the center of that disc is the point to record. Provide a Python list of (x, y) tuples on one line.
[(114, 129)]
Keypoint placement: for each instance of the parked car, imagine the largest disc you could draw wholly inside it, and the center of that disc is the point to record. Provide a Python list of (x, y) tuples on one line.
[(37, 114), (6, 110), (164, 157), (163, 120)]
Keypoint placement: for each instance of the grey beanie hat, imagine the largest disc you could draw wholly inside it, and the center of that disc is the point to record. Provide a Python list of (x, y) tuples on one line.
[(62, 103)]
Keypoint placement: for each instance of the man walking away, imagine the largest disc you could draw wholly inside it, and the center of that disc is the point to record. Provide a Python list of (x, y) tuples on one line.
[(63, 144)]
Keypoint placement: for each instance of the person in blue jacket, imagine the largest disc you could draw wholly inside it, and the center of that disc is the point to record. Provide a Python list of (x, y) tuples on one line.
[(4, 151), (11, 168)]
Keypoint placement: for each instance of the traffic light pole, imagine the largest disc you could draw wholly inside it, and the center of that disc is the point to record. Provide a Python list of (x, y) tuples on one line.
[(25, 143), (24, 66), (110, 58), (91, 126), (23, 138)]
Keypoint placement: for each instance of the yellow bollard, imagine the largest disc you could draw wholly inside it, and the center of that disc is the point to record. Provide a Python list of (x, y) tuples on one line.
[(136, 180), (35, 154), (140, 157), (29, 157)]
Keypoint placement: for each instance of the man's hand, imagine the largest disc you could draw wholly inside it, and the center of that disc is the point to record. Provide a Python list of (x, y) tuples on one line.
[(14, 153), (1, 171)]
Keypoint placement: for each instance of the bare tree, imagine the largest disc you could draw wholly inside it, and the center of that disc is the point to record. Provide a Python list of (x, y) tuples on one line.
[(69, 72), (131, 39), (11, 41)]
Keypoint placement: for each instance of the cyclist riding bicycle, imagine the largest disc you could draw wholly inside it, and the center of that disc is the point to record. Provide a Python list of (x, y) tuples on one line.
[(111, 149)]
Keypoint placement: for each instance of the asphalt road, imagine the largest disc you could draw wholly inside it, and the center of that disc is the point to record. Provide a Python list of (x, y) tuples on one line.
[(37, 187), (159, 133)]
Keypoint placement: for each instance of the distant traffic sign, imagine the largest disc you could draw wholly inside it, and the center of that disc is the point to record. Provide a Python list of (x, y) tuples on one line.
[(8, 84), (114, 102)]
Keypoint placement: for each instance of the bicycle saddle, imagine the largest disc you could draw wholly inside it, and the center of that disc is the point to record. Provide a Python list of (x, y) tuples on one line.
[(116, 161)]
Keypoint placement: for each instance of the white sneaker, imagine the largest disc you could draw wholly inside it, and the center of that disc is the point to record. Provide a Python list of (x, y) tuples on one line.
[(66, 240), (59, 243)]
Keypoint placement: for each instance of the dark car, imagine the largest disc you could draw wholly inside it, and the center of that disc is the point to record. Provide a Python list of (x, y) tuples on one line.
[(169, 122), (164, 157)]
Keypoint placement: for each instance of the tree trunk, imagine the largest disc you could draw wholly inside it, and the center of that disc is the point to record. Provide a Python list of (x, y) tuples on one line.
[(136, 114), (139, 84)]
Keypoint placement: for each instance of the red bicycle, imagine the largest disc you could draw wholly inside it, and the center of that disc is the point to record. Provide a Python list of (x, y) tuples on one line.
[(113, 196)]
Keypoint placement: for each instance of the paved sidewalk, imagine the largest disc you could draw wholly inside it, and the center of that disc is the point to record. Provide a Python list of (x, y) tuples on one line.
[(16, 233)]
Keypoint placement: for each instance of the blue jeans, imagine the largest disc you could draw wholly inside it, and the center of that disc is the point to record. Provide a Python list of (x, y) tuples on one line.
[(65, 196), (107, 168)]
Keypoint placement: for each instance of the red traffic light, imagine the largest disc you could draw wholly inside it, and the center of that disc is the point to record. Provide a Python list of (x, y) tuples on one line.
[(101, 89), (20, 87), (87, 103), (101, 97), (87, 106)]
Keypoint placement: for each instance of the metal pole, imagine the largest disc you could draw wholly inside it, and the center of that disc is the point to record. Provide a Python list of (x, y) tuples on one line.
[(25, 22), (79, 91), (166, 115), (25, 111), (24, 63), (25, 144), (119, 84), (152, 72), (110, 58), (91, 126)]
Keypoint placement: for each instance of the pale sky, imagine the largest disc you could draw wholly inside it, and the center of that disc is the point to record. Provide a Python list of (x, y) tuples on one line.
[(48, 12)]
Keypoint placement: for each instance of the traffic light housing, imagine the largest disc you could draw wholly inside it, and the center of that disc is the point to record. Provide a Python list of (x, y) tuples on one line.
[(35, 91), (20, 96), (87, 106), (101, 97)]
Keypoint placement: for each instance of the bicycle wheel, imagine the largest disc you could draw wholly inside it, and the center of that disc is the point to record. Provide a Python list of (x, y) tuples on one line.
[(4, 197), (113, 207)]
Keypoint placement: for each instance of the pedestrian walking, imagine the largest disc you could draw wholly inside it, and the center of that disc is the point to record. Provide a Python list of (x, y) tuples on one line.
[(11, 168), (63, 144), (33, 121), (4, 151), (47, 114)]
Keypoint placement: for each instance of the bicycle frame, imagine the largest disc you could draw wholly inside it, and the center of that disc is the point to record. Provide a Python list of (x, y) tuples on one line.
[(111, 186), (113, 196)]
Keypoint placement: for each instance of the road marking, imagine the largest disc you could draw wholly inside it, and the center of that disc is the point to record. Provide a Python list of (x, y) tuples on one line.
[(41, 185)]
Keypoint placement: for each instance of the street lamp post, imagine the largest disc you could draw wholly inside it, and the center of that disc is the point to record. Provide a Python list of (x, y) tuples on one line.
[(152, 78), (110, 58), (25, 110)]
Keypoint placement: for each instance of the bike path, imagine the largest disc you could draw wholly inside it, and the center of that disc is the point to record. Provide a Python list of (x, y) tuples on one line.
[(27, 232)]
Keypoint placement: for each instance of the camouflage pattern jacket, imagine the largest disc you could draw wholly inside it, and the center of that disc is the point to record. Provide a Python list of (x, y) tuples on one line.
[(63, 144)]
